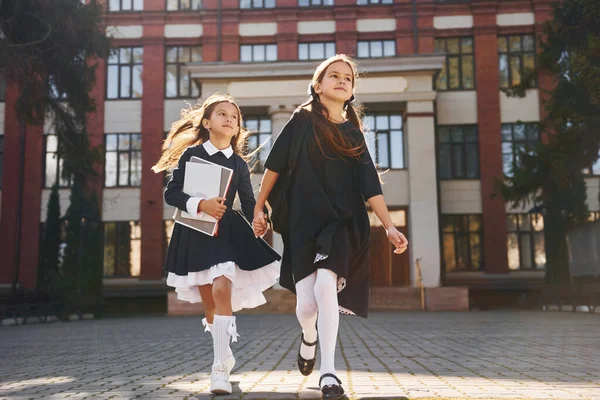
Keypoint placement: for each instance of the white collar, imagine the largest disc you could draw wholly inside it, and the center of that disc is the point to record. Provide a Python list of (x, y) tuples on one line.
[(212, 150)]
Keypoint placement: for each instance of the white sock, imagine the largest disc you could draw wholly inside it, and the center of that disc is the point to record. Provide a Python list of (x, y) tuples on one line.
[(306, 311), (208, 328), (220, 331), (328, 322)]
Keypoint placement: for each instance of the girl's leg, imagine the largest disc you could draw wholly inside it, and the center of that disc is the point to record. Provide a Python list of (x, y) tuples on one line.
[(329, 320), (208, 302), (223, 329), (306, 311)]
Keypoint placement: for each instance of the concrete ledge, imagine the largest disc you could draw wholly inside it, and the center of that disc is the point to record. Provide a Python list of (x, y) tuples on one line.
[(382, 299)]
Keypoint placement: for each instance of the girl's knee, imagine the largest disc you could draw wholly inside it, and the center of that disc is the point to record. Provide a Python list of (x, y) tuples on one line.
[(326, 284), (221, 289)]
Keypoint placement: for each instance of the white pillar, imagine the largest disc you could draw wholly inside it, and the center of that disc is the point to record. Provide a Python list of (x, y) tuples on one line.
[(280, 114), (423, 212)]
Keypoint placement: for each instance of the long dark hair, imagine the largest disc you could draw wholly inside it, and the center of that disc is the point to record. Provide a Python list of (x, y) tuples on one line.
[(319, 114), (189, 131)]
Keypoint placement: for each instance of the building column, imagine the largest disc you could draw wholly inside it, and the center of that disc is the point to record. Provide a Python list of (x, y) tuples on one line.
[(490, 142), (423, 207), (151, 194), (280, 115)]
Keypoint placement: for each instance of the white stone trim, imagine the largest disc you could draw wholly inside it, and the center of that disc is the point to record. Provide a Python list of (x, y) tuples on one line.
[(453, 22), (125, 31), (183, 30), (376, 25), (515, 19), (258, 29), (315, 27)]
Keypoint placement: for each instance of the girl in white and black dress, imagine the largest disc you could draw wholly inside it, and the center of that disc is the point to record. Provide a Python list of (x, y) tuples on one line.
[(230, 271), (326, 245)]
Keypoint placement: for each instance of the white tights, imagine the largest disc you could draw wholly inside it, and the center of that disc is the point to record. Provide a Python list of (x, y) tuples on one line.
[(317, 295)]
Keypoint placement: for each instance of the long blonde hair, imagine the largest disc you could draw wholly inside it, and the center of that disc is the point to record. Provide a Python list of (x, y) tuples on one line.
[(319, 114), (189, 131)]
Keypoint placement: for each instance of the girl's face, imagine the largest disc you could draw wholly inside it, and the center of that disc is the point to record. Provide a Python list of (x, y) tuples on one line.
[(336, 84), (224, 121)]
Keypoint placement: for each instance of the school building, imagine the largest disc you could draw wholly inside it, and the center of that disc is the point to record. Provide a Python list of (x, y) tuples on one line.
[(431, 88)]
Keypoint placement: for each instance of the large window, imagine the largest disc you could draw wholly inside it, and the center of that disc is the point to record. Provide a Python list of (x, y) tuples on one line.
[(123, 164), (122, 248), (124, 76), (257, 3), (525, 241), (308, 3), (177, 81), (184, 5), (2, 89), (458, 152), (516, 140), (376, 48), (125, 5), (259, 143), (461, 242), (316, 51), (385, 139), (258, 52), (516, 53), (458, 72), (53, 164)]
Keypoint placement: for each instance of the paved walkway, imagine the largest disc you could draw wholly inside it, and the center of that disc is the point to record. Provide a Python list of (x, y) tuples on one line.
[(496, 355)]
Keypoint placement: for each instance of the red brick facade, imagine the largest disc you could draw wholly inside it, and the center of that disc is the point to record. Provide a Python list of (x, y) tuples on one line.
[(286, 15)]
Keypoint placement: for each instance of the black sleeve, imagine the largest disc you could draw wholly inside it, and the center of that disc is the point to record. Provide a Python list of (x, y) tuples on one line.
[(368, 177), (277, 161), (174, 195), (245, 191)]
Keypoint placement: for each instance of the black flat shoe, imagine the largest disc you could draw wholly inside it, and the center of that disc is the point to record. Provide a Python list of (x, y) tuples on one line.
[(332, 392), (306, 366)]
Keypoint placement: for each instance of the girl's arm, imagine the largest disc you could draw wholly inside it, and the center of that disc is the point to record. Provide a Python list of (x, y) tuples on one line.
[(378, 205), (174, 195)]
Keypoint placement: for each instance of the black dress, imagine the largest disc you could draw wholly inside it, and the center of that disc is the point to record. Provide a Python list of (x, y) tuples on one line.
[(194, 258), (329, 225)]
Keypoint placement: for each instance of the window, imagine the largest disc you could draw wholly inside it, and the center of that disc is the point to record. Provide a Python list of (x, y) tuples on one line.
[(525, 241), (53, 164), (178, 82), (366, 2), (2, 89), (316, 51), (385, 140), (1, 157), (594, 169), (125, 5), (124, 76), (122, 248), (257, 3), (458, 152), (184, 5), (308, 3), (461, 242), (123, 164), (458, 72), (516, 140), (516, 53), (259, 141), (258, 52), (376, 48)]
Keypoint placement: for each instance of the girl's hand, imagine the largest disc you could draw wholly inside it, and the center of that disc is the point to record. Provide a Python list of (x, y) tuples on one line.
[(213, 207), (397, 239), (259, 223)]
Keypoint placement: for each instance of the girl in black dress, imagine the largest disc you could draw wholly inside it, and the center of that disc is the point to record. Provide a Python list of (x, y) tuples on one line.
[(326, 245), (230, 271)]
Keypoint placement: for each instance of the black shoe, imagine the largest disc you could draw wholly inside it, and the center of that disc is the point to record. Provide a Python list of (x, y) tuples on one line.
[(306, 366), (332, 392)]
